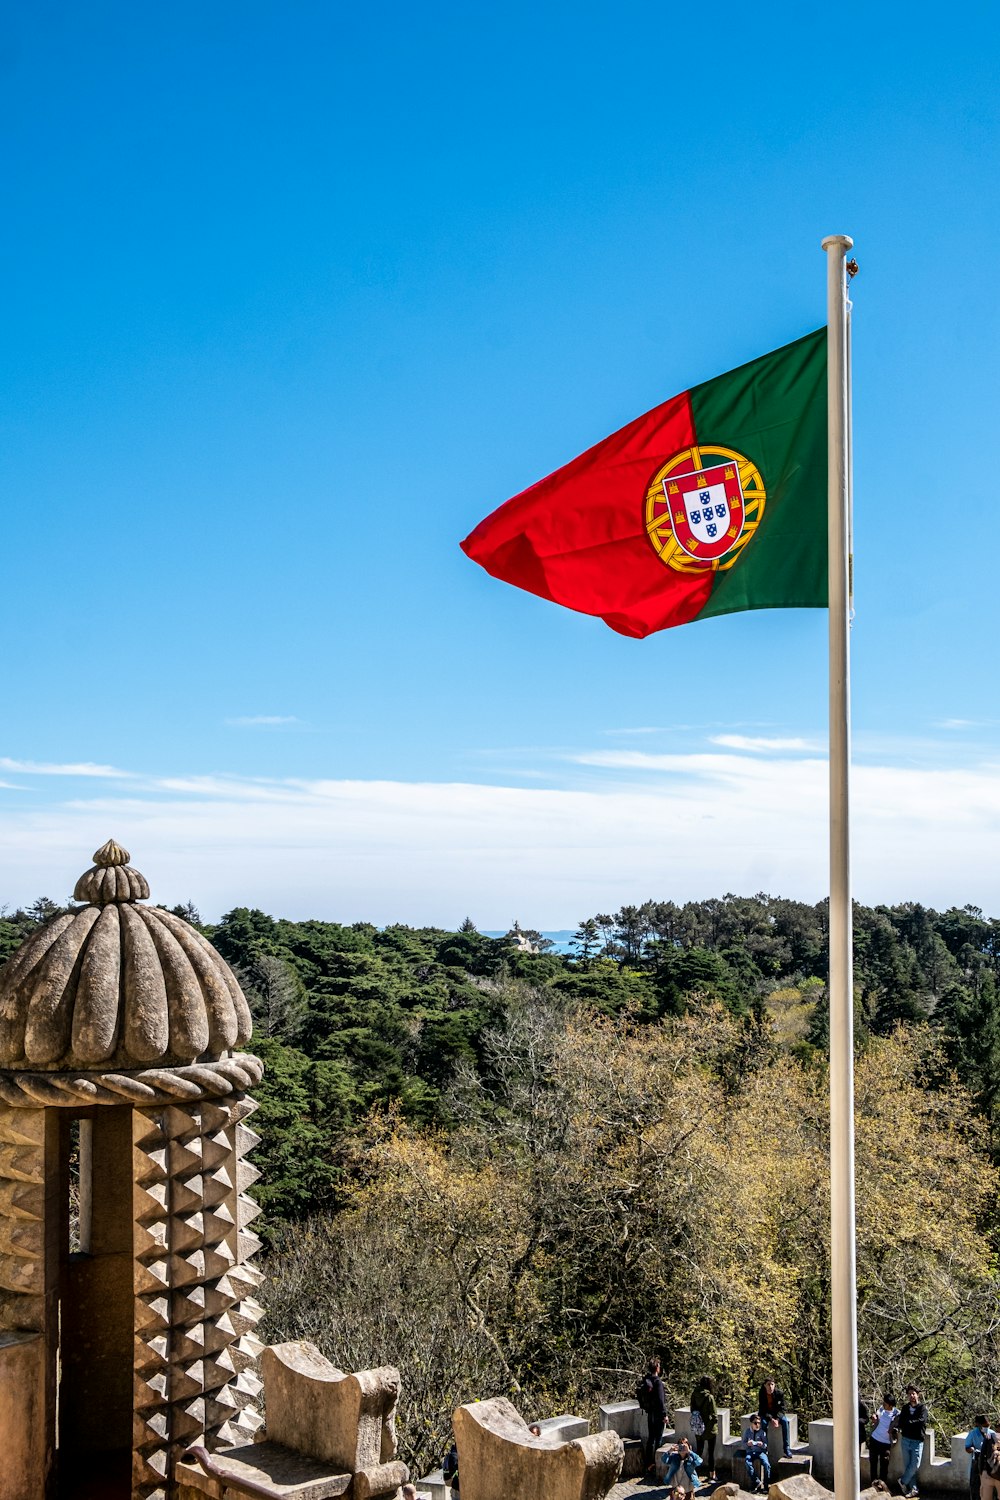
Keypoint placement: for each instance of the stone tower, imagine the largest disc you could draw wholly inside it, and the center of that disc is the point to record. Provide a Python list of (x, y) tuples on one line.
[(126, 1314)]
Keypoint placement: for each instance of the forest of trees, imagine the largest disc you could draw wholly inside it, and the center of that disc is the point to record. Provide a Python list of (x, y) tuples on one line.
[(520, 1172)]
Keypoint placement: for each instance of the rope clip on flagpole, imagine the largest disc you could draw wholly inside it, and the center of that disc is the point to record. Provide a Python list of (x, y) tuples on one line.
[(843, 1273)]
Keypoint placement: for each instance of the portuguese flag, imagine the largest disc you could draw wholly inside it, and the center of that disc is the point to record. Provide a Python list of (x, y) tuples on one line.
[(715, 501)]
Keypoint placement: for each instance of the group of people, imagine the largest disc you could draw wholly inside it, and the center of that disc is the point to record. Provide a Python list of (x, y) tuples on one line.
[(881, 1430), (907, 1425), (705, 1431), (890, 1423)]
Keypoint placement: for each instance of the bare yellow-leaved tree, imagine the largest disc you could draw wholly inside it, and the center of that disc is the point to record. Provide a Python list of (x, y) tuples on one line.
[(612, 1188)]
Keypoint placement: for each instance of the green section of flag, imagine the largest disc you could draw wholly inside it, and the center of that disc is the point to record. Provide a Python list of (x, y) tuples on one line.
[(773, 411)]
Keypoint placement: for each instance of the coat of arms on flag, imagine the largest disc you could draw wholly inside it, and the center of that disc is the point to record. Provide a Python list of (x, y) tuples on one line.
[(703, 512)]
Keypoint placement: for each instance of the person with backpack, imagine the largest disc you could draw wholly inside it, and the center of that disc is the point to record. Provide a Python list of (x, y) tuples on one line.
[(884, 1432), (705, 1423), (449, 1469), (989, 1468), (975, 1439), (913, 1431), (652, 1399)]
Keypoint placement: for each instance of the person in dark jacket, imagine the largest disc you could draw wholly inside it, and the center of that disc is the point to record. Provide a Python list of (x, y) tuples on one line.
[(979, 1433), (771, 1405), (989, 1469), (653, 1401), (755, 1459), (913, 1434), (703, 1403), (449, 1468)]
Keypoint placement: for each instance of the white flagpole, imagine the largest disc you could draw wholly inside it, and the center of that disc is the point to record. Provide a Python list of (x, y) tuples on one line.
[(846, 1455)]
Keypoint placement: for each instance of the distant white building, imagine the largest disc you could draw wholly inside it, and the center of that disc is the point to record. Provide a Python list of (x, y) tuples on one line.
[(520, 939)]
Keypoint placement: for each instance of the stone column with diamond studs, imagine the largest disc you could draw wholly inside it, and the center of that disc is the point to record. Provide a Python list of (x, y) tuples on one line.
[(119, 1067)]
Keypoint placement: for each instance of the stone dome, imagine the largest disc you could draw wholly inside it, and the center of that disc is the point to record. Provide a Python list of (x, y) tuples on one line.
[(115, 985)]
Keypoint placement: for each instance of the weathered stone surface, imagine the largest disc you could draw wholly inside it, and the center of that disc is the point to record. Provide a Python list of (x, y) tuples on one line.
[(383, 1479), (499, 1458), (785, 1468), (95, 1012), (49, 995), (280, 1471), (799, 1487), (118, 985), (269, 1464), (111, 878), (345, 1420), (146, 1022), (22, 1424), (633, 1460), (564, 1427)]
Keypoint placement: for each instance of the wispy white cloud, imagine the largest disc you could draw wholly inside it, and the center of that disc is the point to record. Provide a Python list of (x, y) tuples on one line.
[(639, 825), (691, 763), (262, 721), (759, 742), (961, 723), (642, 729), (71, 768)]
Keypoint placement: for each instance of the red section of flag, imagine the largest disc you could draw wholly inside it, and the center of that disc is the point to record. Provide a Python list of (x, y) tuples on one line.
[(578, 537)]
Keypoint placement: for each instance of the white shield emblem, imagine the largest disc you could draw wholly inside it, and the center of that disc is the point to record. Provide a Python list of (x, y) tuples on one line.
[(708, 512)]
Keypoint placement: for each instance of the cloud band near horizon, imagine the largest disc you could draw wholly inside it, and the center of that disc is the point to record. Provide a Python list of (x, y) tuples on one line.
[(678, 826)]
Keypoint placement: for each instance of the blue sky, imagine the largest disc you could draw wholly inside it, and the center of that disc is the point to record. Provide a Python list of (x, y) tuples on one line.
[(296, 294)]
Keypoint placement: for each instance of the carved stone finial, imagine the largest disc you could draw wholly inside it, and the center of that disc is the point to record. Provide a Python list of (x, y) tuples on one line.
[(115, 985), (111, 854), (111, 878)]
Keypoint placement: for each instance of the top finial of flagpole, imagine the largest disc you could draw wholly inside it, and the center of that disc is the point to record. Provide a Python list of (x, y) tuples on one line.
[(838, 242)]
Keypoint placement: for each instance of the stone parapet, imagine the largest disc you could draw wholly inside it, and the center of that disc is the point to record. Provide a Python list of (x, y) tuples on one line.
[(682, 1424), (948, 1474), (564, 1428), (499, 1458), (263, 1469)]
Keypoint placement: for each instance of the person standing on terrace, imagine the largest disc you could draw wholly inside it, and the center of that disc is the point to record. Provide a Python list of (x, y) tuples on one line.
[(885, 1431), (980, 1431), (913, 1428), (705, 1414)]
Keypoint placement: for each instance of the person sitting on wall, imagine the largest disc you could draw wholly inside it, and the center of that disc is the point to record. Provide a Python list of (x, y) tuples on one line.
[(682, 1455), (758, 1465), (771, 1405), (979, 1432)]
